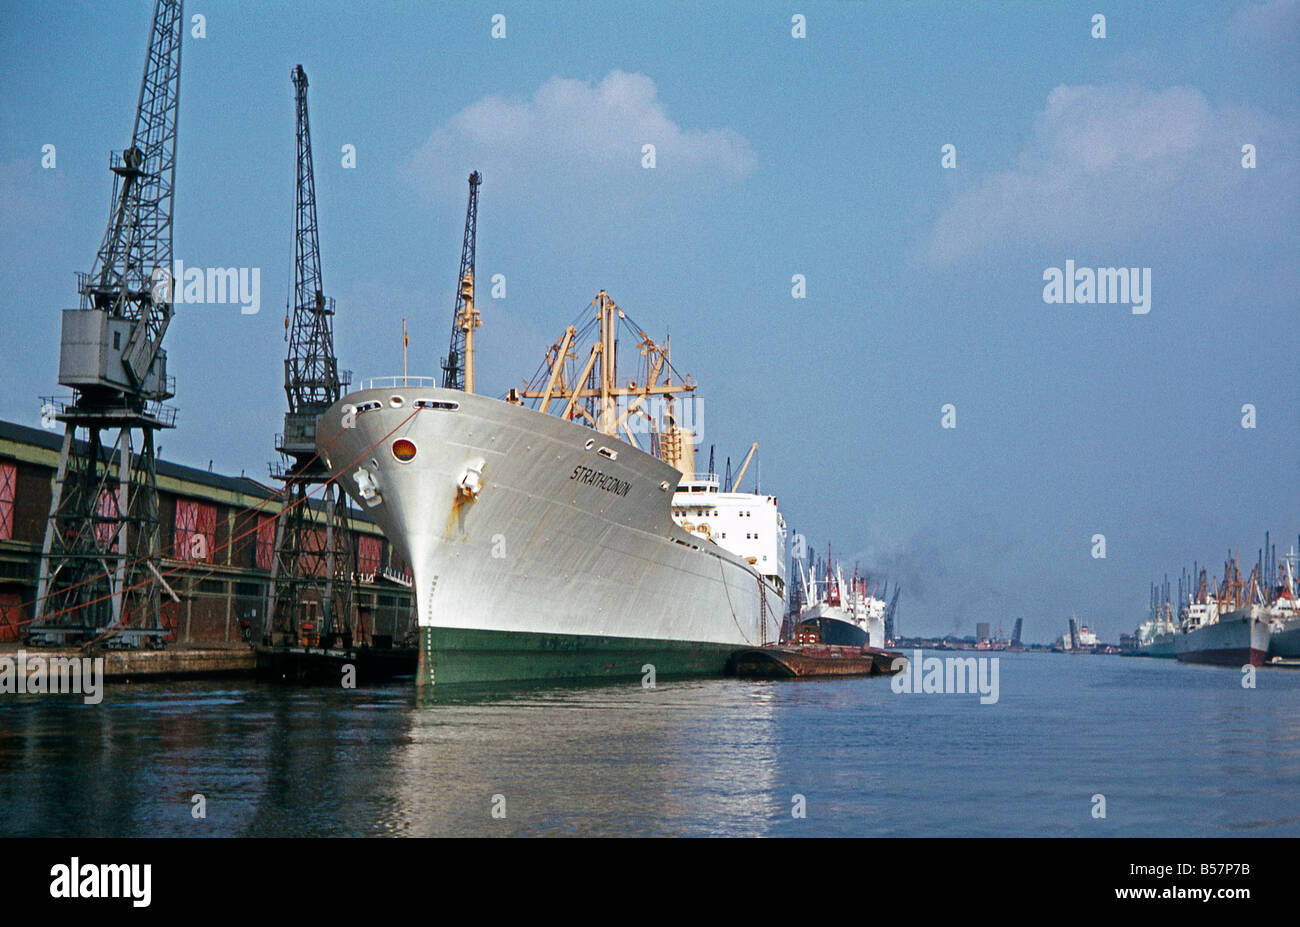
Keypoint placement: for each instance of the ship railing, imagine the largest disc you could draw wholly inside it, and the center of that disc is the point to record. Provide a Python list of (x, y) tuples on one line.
[(395, 382)]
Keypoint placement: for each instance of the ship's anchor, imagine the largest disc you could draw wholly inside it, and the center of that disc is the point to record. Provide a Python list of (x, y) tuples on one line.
[(471, 481), (367, 487)]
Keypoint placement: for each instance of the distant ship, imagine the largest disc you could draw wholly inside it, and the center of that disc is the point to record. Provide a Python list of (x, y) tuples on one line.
[(1284, 614), (1159, 644), (1155, 636), (1230, 629), (842, 613), (561, 547), (1238, 637), (1079, 639)]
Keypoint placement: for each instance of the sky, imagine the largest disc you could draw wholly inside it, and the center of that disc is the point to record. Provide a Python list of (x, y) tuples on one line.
[(775, 156)]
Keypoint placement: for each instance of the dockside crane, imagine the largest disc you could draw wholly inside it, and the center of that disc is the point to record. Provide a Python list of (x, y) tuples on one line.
[(458, 365), (313, 564), (99, 571)]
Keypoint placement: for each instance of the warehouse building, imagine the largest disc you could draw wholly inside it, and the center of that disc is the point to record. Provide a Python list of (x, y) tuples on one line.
[(219, 586)]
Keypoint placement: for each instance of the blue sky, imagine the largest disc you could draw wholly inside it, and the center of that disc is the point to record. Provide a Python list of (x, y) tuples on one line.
[(775, 156)]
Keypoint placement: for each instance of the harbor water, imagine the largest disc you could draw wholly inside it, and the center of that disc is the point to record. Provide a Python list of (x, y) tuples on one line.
[(1158, 748)]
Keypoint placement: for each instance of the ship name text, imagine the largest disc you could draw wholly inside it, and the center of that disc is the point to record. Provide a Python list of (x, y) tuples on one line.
[(590, 477)]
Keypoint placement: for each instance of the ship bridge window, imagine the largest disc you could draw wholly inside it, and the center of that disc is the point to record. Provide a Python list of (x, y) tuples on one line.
[(436, 404)]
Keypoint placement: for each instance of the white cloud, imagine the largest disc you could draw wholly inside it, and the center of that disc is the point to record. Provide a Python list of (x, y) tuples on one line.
[(1109, 164), (574, 135)]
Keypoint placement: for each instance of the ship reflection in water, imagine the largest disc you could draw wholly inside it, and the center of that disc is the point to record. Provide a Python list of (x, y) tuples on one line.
[(269, 760), (1176, 750)]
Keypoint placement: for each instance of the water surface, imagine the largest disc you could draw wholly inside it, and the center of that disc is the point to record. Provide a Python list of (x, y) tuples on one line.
[(1176, 751)]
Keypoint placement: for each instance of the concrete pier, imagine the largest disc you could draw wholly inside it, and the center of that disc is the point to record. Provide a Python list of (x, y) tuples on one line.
[(173, 662)]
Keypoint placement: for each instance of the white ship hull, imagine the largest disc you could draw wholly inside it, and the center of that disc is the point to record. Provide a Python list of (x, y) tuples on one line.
[(565, 563)]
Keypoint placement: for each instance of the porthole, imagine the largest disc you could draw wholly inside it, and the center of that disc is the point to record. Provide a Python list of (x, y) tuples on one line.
[(404, 449)]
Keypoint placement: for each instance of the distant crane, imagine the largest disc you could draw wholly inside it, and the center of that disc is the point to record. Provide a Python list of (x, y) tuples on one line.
[(101, 553), (458, 365), (313, 561), (891, 615)]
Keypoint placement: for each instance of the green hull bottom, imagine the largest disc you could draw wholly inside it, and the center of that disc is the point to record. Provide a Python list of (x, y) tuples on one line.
[(455, 656)]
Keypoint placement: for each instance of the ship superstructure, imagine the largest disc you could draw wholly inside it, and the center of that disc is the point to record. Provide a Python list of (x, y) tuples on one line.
[(748, 525)]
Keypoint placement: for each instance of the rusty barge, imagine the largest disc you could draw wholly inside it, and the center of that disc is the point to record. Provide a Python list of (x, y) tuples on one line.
[(797, 661)]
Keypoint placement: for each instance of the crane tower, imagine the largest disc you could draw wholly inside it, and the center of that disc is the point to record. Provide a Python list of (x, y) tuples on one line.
[(99, 569), (312, 567), (458, 365)]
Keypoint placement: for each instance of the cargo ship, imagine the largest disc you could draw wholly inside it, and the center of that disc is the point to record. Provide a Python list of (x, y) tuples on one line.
[(842, 613), (1155, 636), (1239, 636), (565, 546), (1284, 613), (1156, 642), (1231, 628), (1079, 639)]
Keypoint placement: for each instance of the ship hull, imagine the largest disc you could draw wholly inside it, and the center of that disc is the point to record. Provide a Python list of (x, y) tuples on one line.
[(1162, 648), (563, 563), (457, 656), (1285, 640), (1236, 639), (836, 632)]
